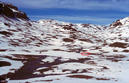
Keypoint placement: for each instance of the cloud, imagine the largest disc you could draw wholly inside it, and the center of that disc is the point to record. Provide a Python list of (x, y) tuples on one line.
[(76, 19), (76, 5), (73, 4)]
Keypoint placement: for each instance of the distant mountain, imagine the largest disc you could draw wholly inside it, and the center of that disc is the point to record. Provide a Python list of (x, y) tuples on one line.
[(50, 50)]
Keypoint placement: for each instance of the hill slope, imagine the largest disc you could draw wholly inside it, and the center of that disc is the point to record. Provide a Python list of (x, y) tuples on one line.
[(50, 50)]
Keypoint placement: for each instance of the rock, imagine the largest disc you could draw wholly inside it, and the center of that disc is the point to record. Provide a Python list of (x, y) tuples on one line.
[(119, 44), (11, 11), (4, 63)]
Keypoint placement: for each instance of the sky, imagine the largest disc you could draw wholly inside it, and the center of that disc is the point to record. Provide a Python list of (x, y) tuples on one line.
[(101, 12)]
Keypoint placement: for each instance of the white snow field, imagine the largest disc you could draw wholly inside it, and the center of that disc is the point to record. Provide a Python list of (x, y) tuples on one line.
[(49, 51)]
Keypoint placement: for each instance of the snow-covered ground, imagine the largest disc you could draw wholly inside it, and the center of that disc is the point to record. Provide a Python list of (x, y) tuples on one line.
[(49, 51)]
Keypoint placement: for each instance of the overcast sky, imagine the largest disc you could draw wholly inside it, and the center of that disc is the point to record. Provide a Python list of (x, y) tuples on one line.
[(76, 11)]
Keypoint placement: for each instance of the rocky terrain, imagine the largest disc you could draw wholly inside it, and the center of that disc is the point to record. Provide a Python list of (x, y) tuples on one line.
[(49, 51)]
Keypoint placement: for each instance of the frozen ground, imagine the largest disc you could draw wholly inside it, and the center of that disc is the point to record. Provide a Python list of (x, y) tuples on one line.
[(49, 51)]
